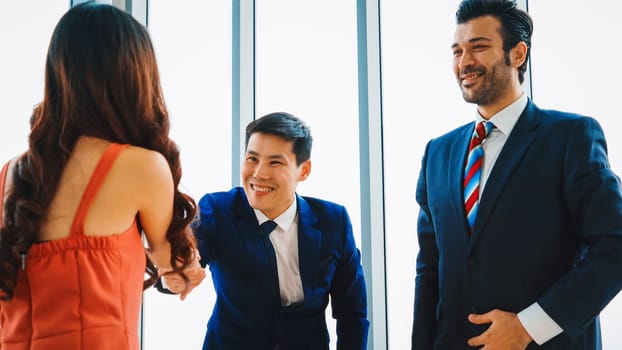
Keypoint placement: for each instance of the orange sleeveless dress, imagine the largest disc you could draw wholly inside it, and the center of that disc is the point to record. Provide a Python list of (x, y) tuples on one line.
[(80, 292)]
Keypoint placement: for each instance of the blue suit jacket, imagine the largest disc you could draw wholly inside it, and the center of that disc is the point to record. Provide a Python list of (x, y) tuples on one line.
[(248, 312), (549, 230)]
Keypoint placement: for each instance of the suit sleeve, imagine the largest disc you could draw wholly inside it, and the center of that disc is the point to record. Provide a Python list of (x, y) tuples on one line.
[(203, 227), (348, 294), (592, 195), (426, 281)]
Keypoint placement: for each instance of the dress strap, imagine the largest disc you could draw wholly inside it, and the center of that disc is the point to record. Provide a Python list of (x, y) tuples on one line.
[(99, 175), (2, 181)]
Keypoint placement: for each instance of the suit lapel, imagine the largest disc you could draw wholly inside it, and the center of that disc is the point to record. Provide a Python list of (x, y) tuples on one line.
[(309, 243), (513, 151), (258, 248)]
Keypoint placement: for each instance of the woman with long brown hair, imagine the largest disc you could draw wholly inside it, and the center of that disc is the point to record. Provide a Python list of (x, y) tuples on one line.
[(99, 172)]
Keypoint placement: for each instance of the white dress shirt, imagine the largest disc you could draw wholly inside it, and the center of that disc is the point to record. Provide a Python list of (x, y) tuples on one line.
[(284, 239), (540, 326)]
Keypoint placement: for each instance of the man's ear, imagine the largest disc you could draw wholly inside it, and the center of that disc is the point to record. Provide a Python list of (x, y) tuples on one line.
[(305, 170), (518, 54)]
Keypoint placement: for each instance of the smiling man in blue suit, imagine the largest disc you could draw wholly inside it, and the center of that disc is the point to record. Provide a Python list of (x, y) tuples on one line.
[(520, 222), (276, 258)]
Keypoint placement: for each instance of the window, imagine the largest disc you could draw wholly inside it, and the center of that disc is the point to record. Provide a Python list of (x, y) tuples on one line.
[(306, 65), (574, 68), (25, 33), (421, 100), (192, 40)]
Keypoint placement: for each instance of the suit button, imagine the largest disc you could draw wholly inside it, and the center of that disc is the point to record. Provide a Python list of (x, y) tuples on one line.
[(471, 262)]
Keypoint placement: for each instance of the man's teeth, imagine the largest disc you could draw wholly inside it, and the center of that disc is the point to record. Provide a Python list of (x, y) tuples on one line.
[(262, 189)]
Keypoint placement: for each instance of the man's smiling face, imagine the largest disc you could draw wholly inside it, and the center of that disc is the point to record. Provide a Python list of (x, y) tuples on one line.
[(270, 173)]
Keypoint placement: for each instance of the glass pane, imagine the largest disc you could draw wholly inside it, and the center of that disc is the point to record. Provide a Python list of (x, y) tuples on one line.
[(575, 68), (25, 31), (192, 40), (416, 50), (306, 65), (421, 100)]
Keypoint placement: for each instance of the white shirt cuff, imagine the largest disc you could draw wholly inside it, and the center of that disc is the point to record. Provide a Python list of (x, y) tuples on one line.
[(540, 326), (163, 281)]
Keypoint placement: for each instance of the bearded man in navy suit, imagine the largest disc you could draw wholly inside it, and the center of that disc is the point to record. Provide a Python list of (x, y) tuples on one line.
[(273, 284), (540, 254)]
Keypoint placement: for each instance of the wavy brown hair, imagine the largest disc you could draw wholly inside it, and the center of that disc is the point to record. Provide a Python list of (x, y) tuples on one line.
[(101, 80)]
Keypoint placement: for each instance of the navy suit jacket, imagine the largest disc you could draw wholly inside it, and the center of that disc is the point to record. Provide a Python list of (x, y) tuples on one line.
[(248, 312), (549, 230)]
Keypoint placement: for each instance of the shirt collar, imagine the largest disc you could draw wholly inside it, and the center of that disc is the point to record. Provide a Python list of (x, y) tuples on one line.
[(284, 220), (506, 118)]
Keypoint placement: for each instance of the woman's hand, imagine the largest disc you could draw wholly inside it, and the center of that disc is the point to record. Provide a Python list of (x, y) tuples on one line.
[(176, 284)]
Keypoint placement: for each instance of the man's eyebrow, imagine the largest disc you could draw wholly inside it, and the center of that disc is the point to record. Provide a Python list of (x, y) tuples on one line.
[(274, 156), (473, 40)]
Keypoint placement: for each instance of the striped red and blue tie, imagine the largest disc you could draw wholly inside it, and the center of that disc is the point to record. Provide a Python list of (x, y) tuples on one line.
[(473, 170)]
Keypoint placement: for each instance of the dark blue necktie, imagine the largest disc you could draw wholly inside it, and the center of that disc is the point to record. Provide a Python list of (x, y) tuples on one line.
[(268, 226)]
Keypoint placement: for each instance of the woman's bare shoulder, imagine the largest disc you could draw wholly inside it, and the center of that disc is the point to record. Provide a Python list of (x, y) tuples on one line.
[(145, 162), (143, 172)]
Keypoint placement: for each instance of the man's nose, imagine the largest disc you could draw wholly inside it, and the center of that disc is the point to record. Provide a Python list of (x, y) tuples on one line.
[(465, 60), (261, 171)]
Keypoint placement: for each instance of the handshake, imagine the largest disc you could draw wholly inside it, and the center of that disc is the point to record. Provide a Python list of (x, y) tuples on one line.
[(175, 283)]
